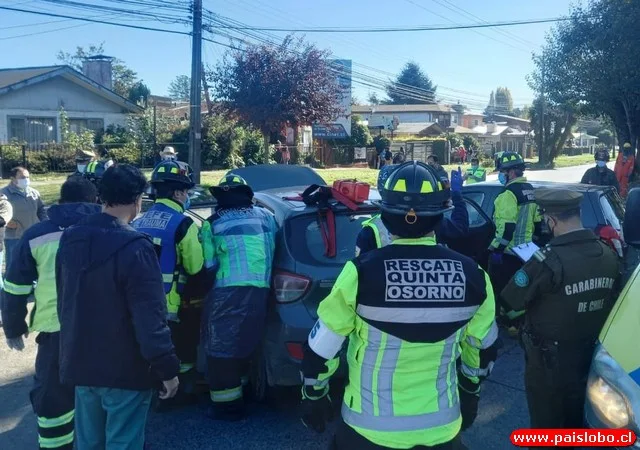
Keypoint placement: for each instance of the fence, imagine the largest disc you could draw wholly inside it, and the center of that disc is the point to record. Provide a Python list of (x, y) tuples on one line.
[(61, 157)]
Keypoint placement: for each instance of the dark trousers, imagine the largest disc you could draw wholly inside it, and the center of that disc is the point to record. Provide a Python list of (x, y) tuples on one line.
[(186, 336), (347, 438), (556, 382), (501, 274), (227, 376), (53, 403)]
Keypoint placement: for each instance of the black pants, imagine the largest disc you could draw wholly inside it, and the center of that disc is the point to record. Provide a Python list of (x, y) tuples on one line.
[(53, 403), (347, 438), (556, 382), (501, 274), (186, 336), (227, 376)]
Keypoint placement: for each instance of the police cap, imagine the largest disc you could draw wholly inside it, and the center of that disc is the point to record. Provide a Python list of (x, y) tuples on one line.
[(83, 155), (558, 200)]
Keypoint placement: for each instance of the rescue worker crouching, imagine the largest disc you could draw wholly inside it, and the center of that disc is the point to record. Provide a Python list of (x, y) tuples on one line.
[(181, 257), (239, 244), (567, 289), (375, 235), (517, 220), (409, 311)]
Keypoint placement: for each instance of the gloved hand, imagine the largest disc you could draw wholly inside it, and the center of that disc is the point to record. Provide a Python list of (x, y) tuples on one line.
[(468, 406), (315, 413), (456, 180), (173, 317), (17, 343), (496, 258)]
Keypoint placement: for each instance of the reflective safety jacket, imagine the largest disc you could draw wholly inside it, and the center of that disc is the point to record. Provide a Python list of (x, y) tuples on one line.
[(240, 243), (380, 232), (409, 311), (624, 167), (476, 176), (181, 251), (35, 262), (516, 216)]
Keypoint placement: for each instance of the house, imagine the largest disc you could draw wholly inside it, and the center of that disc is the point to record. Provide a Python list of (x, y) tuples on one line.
[(496, 137), (582, 139), (418, 129), (31, 100), (443, 115), (523, 124), (472, 120)]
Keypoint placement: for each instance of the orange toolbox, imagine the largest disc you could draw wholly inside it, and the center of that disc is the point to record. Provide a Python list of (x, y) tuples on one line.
[(353, 189)]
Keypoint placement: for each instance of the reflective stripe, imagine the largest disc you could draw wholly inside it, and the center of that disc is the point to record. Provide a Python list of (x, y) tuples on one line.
[(184, 368), (522, 225), (45, 239), (487, 341), (442, 382), (167, 277), (227, 395), (503, 241), (55, 442), (385, 375), (44, 422), (479, 372), (17, 289), (366, 370), (400, 423), (383, 237), (416, 315), (316, 383), (221, 227)]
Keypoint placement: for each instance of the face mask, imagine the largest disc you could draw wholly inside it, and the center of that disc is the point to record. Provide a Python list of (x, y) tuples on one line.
[(187, 203), (168, 158), (23, 183), (82, 168), (601, 164), (503, 178)]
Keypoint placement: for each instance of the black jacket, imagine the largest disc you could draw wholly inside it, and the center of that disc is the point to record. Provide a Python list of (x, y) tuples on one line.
[(599, 177), (112, 308)]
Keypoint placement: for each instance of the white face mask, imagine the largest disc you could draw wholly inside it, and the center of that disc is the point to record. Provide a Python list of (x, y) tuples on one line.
[(168, 158), (82, 168), (23, 183)]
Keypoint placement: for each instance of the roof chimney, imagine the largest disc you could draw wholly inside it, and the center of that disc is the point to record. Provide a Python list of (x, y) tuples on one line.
[(491, 127), (98, 68)]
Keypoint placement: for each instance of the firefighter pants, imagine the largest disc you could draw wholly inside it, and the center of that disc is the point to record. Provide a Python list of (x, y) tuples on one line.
[(108, 418), (227, 376), (347, 438), (501, 274), (556, 383), (53, 403), (186, 336)]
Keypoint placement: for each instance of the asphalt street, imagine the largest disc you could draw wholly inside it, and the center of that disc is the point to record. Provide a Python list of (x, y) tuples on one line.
[(274, 425)]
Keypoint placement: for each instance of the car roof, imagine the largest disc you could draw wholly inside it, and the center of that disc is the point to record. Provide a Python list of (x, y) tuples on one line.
[(273, 176), (548, 184)]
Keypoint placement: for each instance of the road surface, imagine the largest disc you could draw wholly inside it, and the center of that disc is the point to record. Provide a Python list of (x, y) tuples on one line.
[(274, 426)]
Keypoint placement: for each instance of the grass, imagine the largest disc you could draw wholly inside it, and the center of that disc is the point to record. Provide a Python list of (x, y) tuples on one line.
[(49, 184)]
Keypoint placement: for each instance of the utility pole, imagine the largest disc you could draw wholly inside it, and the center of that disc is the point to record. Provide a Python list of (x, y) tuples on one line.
[(541, 150), (195, 135)]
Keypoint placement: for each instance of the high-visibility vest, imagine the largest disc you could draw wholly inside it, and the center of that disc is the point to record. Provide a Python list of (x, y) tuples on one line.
[(479, 173), (383, 237)]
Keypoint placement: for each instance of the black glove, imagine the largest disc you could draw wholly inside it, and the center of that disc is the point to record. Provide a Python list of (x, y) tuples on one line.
[(316, 412), (469, 396)]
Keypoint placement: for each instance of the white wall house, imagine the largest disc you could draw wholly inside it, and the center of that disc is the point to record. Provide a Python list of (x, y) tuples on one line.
[(443, 115), (31, 100)]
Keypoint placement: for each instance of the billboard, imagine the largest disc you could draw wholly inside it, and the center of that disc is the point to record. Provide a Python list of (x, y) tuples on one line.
[(340, 128)]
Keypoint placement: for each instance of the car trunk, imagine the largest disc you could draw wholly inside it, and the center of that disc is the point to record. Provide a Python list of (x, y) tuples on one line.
[(303, 239)]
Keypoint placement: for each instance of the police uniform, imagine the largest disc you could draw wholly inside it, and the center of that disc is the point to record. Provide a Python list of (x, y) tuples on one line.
[(83, 159), (409, 311), (517, 219), (181, 257), (567, 290)]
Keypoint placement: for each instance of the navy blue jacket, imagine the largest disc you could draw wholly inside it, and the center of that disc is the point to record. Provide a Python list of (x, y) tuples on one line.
[(112, 308), (446, 231)]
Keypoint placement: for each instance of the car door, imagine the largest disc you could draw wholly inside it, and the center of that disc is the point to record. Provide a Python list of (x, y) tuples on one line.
[(481, 232)]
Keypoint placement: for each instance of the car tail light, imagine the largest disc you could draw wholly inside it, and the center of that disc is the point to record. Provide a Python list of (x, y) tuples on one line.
[(289, 287), (295, 350)]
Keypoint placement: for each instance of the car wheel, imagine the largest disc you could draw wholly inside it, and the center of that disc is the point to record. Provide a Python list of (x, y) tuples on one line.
[(258, 379)]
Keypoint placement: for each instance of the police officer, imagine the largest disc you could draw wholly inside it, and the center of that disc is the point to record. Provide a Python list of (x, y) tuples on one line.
[(601, 175), (475, 173), (567, 290), (83, 159), (239, 243), (375, 235), (52, 402), (409, 311), (181, 257), (517, 219)]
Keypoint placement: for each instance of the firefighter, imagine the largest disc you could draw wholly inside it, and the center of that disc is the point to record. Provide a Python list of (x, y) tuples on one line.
[(517, 219), (475, 174), (409, 311), (374, 234), (239, 242), (181, 257), (52, 402), (601, 175), (625, 165), (567, 289)]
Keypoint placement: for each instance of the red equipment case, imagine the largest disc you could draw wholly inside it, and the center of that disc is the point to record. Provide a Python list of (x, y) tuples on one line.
[(353, 190)]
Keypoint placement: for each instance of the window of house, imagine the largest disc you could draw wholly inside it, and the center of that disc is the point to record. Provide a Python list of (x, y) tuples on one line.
[(32, 130), (476, 122), (80, 125)]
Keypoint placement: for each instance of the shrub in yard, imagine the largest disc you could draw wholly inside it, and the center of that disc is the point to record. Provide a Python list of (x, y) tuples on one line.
[(52, 158), (381, 142), (11, 155), (128, 154)]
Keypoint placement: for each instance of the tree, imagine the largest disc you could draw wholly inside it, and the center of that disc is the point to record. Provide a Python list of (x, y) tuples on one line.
[(470, 143), (269, 86), (139, 93), (606, 137), (460, 109), (180, 88), (553, 129), (360, 136), (411, 87), (491, 107), (124, 78), (355, 101), (373, 98), (503, 101)]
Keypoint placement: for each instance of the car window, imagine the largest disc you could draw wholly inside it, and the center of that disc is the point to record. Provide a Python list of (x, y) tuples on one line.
[(476, 219), (477, 197), (613, 214), (274, 176), (304, 238)]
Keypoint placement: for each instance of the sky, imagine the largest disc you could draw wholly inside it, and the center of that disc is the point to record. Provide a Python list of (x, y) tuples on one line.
[(465, 64)]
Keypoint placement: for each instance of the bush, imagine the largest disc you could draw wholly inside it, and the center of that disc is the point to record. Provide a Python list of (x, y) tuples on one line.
[(128, 154), (487, 163), (381, 142), (11, 155)]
